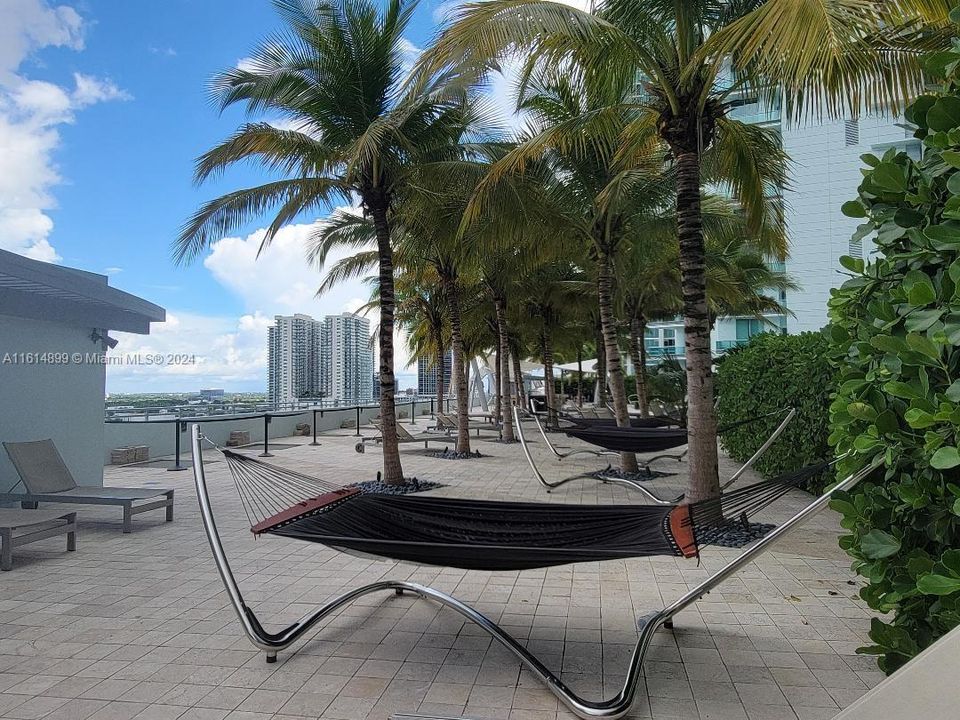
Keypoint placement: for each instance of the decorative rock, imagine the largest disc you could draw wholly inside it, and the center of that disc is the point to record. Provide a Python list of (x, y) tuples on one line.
[(448, 454)]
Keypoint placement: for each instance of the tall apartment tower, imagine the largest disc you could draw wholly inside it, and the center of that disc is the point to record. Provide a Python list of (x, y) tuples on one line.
[(295, 359), (348, 358), (427, 375)]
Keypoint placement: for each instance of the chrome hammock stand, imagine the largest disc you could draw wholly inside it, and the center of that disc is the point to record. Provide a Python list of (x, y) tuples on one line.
[(615, 707), (633, 485)]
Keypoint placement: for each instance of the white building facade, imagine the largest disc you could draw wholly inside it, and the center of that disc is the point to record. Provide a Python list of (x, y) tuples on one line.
[(348, 358), (824, 173)]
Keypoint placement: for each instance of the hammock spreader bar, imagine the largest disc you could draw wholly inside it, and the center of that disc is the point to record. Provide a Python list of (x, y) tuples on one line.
[(615, 707)]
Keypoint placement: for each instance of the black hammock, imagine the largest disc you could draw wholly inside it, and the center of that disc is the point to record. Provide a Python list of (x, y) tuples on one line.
[(656, 421), (484, 534), (644, 439)]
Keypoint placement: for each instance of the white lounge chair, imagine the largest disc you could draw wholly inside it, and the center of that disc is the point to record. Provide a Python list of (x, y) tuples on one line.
[(46, 478)]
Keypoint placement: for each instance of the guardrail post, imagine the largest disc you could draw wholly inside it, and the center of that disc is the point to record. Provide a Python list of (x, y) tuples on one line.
[(413, 412), (179, 427), (266, 436), (314, 428), (358, 420), (431, 408)]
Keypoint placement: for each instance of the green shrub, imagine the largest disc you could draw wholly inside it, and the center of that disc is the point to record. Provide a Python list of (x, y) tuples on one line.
[(896, 339), (770, 372)]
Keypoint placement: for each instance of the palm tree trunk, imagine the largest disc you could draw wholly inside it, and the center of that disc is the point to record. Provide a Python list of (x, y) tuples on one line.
[(701, 420), (546, 348), (500, 306), (638, 352), (441, 362), (600, 391), (459, 379), (392, 470), (497, 383), (618, 390), (580, 376), (519, 389)]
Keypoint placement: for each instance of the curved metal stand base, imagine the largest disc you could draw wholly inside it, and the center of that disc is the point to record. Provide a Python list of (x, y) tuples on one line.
[(612, 708), (561, 455)]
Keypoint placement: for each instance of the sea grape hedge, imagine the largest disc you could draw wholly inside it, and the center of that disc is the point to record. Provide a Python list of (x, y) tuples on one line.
[(775, 371), (895, 334)]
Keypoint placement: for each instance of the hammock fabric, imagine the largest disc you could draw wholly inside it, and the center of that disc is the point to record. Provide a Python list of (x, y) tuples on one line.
[(643, 439), (483, 534), (635, 422), (630, 439)]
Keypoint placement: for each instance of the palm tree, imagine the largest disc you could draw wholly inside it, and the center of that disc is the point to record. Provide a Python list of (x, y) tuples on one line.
[(691, 60), (568, 151), (549, 299), (422, 313), (358, 133)]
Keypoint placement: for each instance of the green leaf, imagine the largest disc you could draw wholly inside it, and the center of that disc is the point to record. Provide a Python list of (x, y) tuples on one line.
[(951, 158), (953, 184), (945, 458), (945, 114), (953, 392), (919, 287), (851, 263), (901, 390), (878, 544), (938, 585), (923, 345), (944, 234), (854, 208), (890, 176), (956, 504)]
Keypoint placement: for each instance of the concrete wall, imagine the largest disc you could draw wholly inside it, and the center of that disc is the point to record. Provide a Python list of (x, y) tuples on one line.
[(161, 437), (62, 401)]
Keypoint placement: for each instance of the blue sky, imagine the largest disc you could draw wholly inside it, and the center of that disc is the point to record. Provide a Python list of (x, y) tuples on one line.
[(102, 113)]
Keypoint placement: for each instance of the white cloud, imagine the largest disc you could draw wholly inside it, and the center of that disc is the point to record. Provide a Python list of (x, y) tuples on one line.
[(92, 90), (31, 111), (31, 24), (195, 351), (162, 50)]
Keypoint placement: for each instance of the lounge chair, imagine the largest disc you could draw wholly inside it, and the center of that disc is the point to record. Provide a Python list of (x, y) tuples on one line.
[(485, 535), (404, 436), (46, 478), (452, 423), (33, 525)]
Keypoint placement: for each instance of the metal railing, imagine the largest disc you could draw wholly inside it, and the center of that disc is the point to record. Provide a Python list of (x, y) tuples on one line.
[(268, 411)]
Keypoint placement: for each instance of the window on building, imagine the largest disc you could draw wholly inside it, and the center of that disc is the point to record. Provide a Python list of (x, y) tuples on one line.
[(851, 132)]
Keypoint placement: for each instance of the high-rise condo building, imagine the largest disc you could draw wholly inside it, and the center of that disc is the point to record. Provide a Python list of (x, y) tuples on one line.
[(427, 374), (296, 369), (329, 359), (346, 343)]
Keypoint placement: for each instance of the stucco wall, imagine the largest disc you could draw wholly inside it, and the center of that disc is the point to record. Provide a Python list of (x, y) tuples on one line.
[(62, 401)]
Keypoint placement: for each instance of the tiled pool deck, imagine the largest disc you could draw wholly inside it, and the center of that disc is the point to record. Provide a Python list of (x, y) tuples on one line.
[(138, 626)]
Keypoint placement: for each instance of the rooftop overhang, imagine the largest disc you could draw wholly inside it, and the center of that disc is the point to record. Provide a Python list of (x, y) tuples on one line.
[(43, 291)]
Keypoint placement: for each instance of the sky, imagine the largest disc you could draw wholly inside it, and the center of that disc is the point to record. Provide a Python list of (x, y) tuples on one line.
[(103, 110)]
